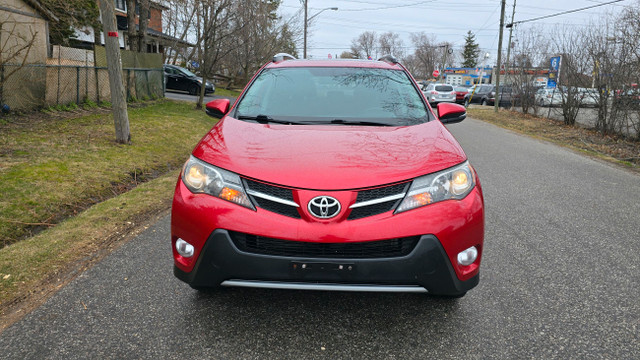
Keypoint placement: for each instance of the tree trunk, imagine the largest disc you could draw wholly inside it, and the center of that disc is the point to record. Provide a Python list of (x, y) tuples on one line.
[(132, 34), (144, 24), (114, 65)]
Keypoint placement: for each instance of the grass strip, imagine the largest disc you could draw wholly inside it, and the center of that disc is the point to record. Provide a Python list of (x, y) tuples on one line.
[(615, 149), (49, 259), (53, 167), (227, 93)]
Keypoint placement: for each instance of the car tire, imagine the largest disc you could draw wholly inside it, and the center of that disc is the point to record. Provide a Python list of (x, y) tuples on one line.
[(194, 89), (541, 102), (466, 102), (484, 102)]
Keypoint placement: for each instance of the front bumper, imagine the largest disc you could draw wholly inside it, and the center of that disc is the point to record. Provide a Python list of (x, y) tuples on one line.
[(427, 267)]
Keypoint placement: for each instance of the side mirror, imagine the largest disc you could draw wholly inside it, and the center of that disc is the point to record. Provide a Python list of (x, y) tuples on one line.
[(450, 113), (218, 108)]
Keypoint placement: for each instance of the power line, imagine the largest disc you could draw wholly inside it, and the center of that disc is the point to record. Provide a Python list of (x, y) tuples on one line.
[(562, 13)]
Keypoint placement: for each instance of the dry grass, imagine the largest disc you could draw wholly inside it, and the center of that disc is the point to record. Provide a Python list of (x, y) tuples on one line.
[(612, 148)]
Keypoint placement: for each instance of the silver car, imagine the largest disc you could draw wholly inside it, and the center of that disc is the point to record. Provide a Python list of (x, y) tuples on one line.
[(437, 93), (548, 97)]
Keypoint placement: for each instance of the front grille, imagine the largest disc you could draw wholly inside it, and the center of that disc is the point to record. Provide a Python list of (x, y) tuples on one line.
[(275, 191), (359, 250), (279, 192), (378, 208), (375, 209), (366, 195)]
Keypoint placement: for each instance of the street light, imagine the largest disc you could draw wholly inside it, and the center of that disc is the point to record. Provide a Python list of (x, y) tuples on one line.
[(306, 22)]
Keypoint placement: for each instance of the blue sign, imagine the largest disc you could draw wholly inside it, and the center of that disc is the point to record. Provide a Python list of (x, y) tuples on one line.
[(195, 64), (551, 84), (555, 63)]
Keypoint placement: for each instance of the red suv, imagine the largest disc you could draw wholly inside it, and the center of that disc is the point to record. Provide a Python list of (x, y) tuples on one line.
[(330, 175)]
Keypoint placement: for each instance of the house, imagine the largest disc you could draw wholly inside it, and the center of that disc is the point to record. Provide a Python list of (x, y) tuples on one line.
[(157, 40), (24, 32)]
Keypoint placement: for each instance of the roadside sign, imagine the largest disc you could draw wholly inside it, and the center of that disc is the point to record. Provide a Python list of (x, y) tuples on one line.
[(554, 71), (555, 63), (435, 73), (195, 64)]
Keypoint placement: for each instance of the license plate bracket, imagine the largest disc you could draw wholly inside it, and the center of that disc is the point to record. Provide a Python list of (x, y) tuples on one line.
[(304, 267)]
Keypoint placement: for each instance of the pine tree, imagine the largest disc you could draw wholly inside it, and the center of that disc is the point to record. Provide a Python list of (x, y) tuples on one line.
[(471, 51)]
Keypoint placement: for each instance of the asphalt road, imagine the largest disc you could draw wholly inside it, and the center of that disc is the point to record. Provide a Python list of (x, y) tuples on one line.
[(559, 279)]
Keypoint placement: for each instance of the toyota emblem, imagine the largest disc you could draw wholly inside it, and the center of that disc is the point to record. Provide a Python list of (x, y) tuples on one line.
[(324, 207)]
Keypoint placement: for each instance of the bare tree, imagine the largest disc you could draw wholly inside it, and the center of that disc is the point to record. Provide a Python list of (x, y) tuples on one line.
[(391, 43), (179, 22), (530, 59), (569, 43), (612, 45), (425, 57), (259, 33), (629, 35), (365, 45), (215, 19), (16, 43)]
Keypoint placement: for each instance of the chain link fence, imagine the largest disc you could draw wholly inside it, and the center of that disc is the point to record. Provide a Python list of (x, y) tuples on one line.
[(33, 86)]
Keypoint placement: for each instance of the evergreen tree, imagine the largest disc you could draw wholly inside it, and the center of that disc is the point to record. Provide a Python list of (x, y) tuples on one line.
[(471, 51)]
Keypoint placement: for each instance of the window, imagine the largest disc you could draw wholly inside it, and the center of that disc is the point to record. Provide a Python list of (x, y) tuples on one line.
[(121, 5)]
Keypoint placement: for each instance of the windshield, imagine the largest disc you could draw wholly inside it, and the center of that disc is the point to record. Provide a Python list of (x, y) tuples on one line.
[(316, 95), (186, 72)]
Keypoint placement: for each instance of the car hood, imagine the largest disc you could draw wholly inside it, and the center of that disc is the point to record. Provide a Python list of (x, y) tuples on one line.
[(329, 157)]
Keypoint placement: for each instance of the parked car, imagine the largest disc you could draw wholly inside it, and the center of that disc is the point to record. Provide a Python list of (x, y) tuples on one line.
[(548, 97), (589, 97), (629, 98), (329, 175), (437, 93), (461, 91), (479, 94), (508, 96), (179, 78)]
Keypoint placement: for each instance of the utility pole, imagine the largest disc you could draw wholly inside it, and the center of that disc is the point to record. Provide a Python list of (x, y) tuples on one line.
[(304, 52), (510, 26), (497, 97), (114, 65), (444, 61)]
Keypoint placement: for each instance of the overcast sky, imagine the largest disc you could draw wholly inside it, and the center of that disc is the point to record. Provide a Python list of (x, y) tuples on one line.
[(448, 20)]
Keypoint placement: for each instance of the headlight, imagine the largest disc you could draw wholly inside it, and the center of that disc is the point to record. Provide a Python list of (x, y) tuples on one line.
[(198, 80), (453, 183), (203, 178)]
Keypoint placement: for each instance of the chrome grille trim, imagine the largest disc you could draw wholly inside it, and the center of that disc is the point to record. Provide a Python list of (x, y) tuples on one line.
[(377, 201), (271, 198)]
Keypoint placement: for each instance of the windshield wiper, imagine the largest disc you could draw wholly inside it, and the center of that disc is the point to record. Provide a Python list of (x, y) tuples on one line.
[(264, 119), (357, 122)]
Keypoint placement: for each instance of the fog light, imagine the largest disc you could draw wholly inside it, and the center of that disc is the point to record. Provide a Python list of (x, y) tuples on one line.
[(467, 257), (186, 250)]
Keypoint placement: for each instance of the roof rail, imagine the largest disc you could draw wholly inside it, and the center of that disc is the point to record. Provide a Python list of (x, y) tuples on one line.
[(282, 57), (389, 58)]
